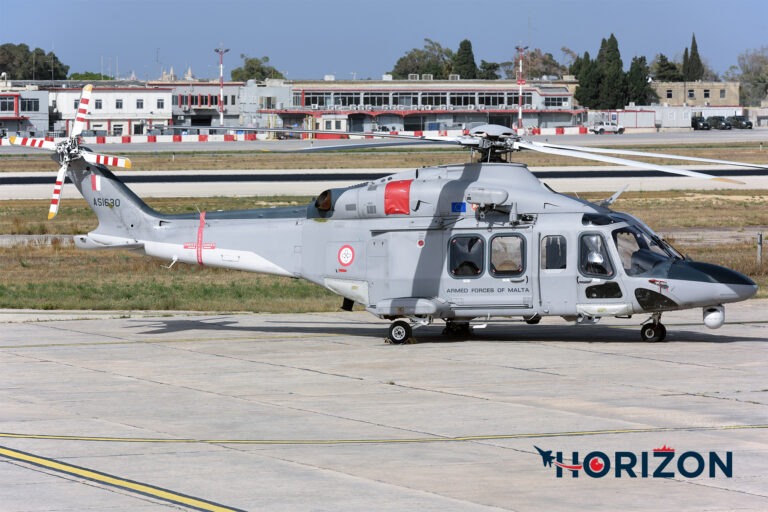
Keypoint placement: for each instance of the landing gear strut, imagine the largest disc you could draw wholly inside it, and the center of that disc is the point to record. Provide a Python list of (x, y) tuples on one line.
[(654, 330)]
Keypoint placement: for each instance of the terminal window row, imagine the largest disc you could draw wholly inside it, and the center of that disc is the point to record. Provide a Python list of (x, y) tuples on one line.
[(410, 99), (180, 100)]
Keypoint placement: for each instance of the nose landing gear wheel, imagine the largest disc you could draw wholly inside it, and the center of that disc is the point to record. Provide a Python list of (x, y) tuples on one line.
[(399, 332), (653, 332)]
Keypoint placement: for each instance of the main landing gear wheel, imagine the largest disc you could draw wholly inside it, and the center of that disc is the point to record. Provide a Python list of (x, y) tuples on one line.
[(399, 332), (653, 332)]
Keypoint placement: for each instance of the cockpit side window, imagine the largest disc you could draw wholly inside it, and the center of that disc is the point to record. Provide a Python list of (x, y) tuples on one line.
[(638, 252), (593, 256), (466, 256)]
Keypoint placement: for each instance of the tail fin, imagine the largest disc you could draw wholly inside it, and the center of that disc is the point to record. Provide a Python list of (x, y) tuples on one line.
[(122, 214)]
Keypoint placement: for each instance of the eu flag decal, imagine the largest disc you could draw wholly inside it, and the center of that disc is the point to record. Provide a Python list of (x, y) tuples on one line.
[(458, 207)]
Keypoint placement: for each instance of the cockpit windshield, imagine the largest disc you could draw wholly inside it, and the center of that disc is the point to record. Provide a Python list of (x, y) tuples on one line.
[(640, 250)]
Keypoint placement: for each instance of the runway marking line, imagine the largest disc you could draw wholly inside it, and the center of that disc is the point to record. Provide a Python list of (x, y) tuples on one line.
[(379, 441), (114, 481)]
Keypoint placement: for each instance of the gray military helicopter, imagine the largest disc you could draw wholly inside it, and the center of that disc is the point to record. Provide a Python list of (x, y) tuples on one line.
[(455, 242)]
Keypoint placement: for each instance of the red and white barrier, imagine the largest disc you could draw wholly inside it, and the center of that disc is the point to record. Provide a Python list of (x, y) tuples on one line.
[(246, 137)]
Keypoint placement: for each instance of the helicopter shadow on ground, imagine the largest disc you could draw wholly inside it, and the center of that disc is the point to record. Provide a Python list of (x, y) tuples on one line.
[(433, 333), (233, 324)]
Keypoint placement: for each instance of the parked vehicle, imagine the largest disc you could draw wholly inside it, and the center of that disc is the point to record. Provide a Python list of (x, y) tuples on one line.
[(740, 122), (606, 127), (699, 123), (719, 123)]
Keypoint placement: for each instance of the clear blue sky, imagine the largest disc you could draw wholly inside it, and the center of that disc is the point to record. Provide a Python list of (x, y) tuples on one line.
[(307, 39)]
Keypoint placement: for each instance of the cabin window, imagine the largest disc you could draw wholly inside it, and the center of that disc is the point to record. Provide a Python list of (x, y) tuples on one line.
[(553, 252), (507, 255), (593, 256), (466, 256)]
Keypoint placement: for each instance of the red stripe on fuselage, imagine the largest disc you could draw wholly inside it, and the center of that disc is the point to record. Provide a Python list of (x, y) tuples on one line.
[(397, 196)]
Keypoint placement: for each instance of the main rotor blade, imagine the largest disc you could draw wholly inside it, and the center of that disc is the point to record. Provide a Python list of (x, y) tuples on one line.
[(621, 161), (114, 161), (650, 155), (56, 197), (365, 145), (82, 111), (447, 139), (33, 143)]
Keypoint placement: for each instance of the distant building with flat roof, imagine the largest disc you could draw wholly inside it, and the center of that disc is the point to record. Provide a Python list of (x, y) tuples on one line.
[(23, 110), (404, 105), (697, 94)]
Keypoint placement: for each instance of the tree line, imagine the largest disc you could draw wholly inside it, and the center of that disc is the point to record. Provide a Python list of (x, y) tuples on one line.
[(440, 62)]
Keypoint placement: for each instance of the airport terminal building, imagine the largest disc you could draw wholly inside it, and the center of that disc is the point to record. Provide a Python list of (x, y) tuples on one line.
[(405, 105)]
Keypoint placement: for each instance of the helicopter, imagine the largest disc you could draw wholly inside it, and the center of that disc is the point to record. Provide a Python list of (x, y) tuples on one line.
[(454, 243)]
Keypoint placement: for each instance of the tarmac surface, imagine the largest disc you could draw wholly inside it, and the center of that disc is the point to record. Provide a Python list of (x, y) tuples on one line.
[(140, 411)]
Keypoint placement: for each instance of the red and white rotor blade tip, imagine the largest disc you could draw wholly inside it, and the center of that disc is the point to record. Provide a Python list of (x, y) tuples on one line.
[(33, 143), (56, 197), (82, 111), (113, 161)]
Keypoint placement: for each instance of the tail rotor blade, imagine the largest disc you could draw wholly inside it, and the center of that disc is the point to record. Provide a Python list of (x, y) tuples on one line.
[(33, 143), (82, 111), (112, 161), (56, 197)]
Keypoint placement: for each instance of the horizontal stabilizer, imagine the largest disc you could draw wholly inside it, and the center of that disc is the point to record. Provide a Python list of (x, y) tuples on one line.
[(89, 244)]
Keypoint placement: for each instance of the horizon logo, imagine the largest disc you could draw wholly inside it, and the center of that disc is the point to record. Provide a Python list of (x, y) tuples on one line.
[(659, 463)]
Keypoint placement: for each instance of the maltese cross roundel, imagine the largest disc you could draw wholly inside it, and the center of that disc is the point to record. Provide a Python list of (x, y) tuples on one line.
[(346, 255)]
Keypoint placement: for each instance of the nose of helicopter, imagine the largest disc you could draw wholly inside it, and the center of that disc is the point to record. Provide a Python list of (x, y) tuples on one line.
[(733, 286)]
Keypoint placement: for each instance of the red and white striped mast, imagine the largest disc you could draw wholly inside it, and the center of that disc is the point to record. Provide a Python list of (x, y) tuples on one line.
[(520, 83), (221, 51)]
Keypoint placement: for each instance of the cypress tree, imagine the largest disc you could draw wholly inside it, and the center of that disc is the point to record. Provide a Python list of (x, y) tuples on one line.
[(464, 61), (613, 83), (588, 91), (695, 66), (686, 66), (639, 90)]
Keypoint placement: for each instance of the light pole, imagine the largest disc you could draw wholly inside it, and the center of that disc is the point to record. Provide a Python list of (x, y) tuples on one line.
[(221, 51), (520, 83)]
